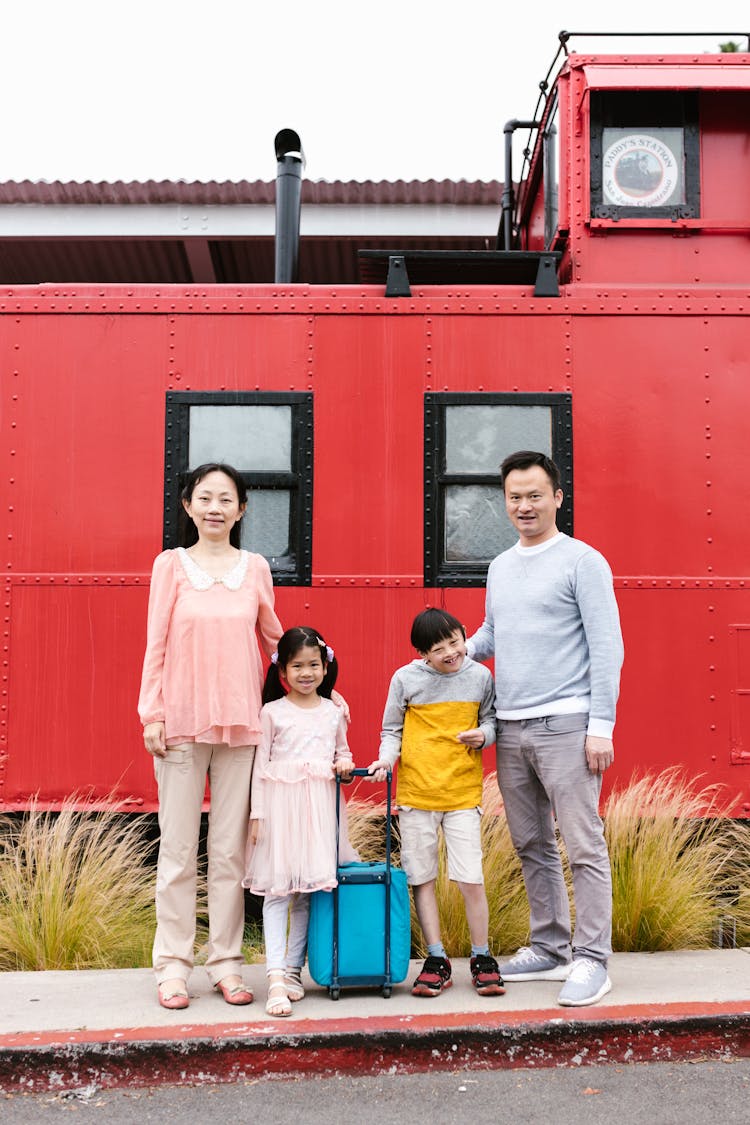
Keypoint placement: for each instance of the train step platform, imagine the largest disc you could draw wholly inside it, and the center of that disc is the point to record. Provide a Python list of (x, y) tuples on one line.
[(101, 1029)]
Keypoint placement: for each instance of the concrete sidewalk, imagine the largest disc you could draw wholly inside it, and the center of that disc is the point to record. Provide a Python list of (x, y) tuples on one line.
[(63, 1030)]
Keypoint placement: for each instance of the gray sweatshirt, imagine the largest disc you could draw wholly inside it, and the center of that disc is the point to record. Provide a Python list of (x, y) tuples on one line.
[(552, 625)]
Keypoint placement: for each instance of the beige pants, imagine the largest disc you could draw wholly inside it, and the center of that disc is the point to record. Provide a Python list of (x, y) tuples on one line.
[(181, 777)]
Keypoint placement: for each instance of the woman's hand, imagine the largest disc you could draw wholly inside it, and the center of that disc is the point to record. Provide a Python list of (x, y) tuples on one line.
[(154, 739), (338, 699), (255, 831)]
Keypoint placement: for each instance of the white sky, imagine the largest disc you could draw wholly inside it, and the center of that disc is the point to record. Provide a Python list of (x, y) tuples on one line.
[(396, 89)]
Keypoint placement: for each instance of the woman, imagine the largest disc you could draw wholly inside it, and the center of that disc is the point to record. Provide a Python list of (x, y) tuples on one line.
[(199, 705)]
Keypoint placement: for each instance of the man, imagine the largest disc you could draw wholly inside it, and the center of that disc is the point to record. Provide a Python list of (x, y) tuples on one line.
[(552, 625)]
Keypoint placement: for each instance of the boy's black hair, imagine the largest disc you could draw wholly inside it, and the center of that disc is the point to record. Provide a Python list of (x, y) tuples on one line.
[(432, 626), (289, 645)]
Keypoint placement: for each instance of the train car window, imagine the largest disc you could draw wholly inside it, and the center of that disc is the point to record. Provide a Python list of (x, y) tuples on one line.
[(467, 436), (268, 437), (267, 430), (645, 154), (551, 178)]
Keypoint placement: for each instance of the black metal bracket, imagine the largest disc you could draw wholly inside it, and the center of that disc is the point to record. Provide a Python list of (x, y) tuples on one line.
[(546, 277), (397, 282)]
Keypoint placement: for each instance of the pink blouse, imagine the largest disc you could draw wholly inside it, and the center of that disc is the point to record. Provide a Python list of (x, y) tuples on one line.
[(202, 672)]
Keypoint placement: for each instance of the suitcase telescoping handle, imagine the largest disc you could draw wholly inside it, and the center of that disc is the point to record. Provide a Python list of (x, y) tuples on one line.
[(359, 772), (334, 987)]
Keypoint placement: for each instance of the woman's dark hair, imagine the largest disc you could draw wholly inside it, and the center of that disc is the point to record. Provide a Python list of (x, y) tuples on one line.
[(289, 645), (187, 531), (432, 626)]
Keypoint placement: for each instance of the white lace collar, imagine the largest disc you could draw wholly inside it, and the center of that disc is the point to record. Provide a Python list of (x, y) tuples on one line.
[(200, 580)]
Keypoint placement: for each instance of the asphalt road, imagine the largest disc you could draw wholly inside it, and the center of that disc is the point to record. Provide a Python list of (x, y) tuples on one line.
[(658, 1094)]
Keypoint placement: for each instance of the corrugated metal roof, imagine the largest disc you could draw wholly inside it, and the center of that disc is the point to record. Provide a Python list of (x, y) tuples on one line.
[(453, 192), (31, 253)]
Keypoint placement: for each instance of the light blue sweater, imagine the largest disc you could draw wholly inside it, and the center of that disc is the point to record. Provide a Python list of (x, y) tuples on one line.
[(552, 625)]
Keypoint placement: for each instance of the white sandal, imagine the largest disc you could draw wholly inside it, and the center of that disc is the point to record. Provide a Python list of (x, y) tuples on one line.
[(293, 983), (278, 1003)]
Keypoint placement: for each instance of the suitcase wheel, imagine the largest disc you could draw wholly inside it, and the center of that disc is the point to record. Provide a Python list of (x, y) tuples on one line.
[(386, 991), (334, 993)]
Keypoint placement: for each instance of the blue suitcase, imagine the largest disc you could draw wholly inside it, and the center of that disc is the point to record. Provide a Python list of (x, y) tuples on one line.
[(360, 932)]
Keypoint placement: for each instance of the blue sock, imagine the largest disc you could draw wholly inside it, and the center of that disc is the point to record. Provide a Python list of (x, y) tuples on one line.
[(478, 950), (437, 949)]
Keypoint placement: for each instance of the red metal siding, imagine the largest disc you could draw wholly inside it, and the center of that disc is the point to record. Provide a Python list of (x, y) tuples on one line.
[(83, 433), (368, 380), (659, 401)]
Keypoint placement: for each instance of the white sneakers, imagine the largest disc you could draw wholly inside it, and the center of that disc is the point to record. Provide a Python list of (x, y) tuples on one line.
[(587, 982)]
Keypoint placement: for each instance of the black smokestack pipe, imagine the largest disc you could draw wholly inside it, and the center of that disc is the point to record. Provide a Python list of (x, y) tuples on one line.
[(290, 162), (505, 234)]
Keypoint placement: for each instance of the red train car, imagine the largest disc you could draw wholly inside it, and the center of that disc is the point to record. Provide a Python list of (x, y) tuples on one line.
[(608, 326)]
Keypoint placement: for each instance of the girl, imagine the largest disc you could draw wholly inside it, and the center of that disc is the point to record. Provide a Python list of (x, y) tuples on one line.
[(211, 606), (291, 847)]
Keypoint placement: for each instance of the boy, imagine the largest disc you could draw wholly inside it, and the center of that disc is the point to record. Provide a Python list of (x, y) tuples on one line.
[(438, 716)]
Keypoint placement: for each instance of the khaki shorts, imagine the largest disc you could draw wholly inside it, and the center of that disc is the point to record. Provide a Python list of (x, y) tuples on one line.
[(419, 844)]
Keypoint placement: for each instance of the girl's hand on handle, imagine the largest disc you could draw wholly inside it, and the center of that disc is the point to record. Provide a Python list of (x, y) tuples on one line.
[(338, 699), (474, 739), (344, 767), (378, 770), (154, 739)]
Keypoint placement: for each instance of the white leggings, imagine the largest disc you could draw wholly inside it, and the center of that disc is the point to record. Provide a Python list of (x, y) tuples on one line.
[(283, 951)]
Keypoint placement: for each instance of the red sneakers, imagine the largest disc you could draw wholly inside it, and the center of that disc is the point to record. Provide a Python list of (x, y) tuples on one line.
[(486, 975), (435, 976)]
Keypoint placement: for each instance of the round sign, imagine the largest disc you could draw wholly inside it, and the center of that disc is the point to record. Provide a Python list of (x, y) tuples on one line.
[(639, 170)]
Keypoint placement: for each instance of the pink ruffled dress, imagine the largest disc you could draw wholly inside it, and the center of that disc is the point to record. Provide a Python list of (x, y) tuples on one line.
[(294, 796)]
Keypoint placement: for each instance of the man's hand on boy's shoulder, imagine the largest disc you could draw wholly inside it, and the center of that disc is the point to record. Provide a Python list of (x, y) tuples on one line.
[(378, 770), (473, 739)]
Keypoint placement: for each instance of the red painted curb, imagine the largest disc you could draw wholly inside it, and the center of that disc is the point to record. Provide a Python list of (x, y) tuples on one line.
[(189, 1054)]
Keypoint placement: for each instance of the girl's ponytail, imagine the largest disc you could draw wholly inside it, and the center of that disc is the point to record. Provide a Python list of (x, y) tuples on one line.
[(273, 687), (329, 679)]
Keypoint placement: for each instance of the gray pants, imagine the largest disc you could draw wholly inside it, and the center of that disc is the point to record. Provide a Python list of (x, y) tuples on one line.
[(543, 775)]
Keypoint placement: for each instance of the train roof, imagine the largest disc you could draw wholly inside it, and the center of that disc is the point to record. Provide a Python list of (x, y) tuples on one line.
[(180, 232), (223, 232)]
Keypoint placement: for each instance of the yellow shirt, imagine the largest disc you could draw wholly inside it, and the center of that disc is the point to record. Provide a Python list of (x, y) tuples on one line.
[(436, 771)]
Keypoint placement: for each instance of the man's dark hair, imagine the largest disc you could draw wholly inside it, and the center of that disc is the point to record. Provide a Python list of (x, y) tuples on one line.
[(432, 626), (527, 459)]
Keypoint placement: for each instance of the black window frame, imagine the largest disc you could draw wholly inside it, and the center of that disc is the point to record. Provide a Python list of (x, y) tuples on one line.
[(641, 110), (437, 571), (298, 481)]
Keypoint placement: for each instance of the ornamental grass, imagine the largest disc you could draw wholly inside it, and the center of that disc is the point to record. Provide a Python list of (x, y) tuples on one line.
[(733, 924), (676, 863), (76, 889), (366, 829)]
